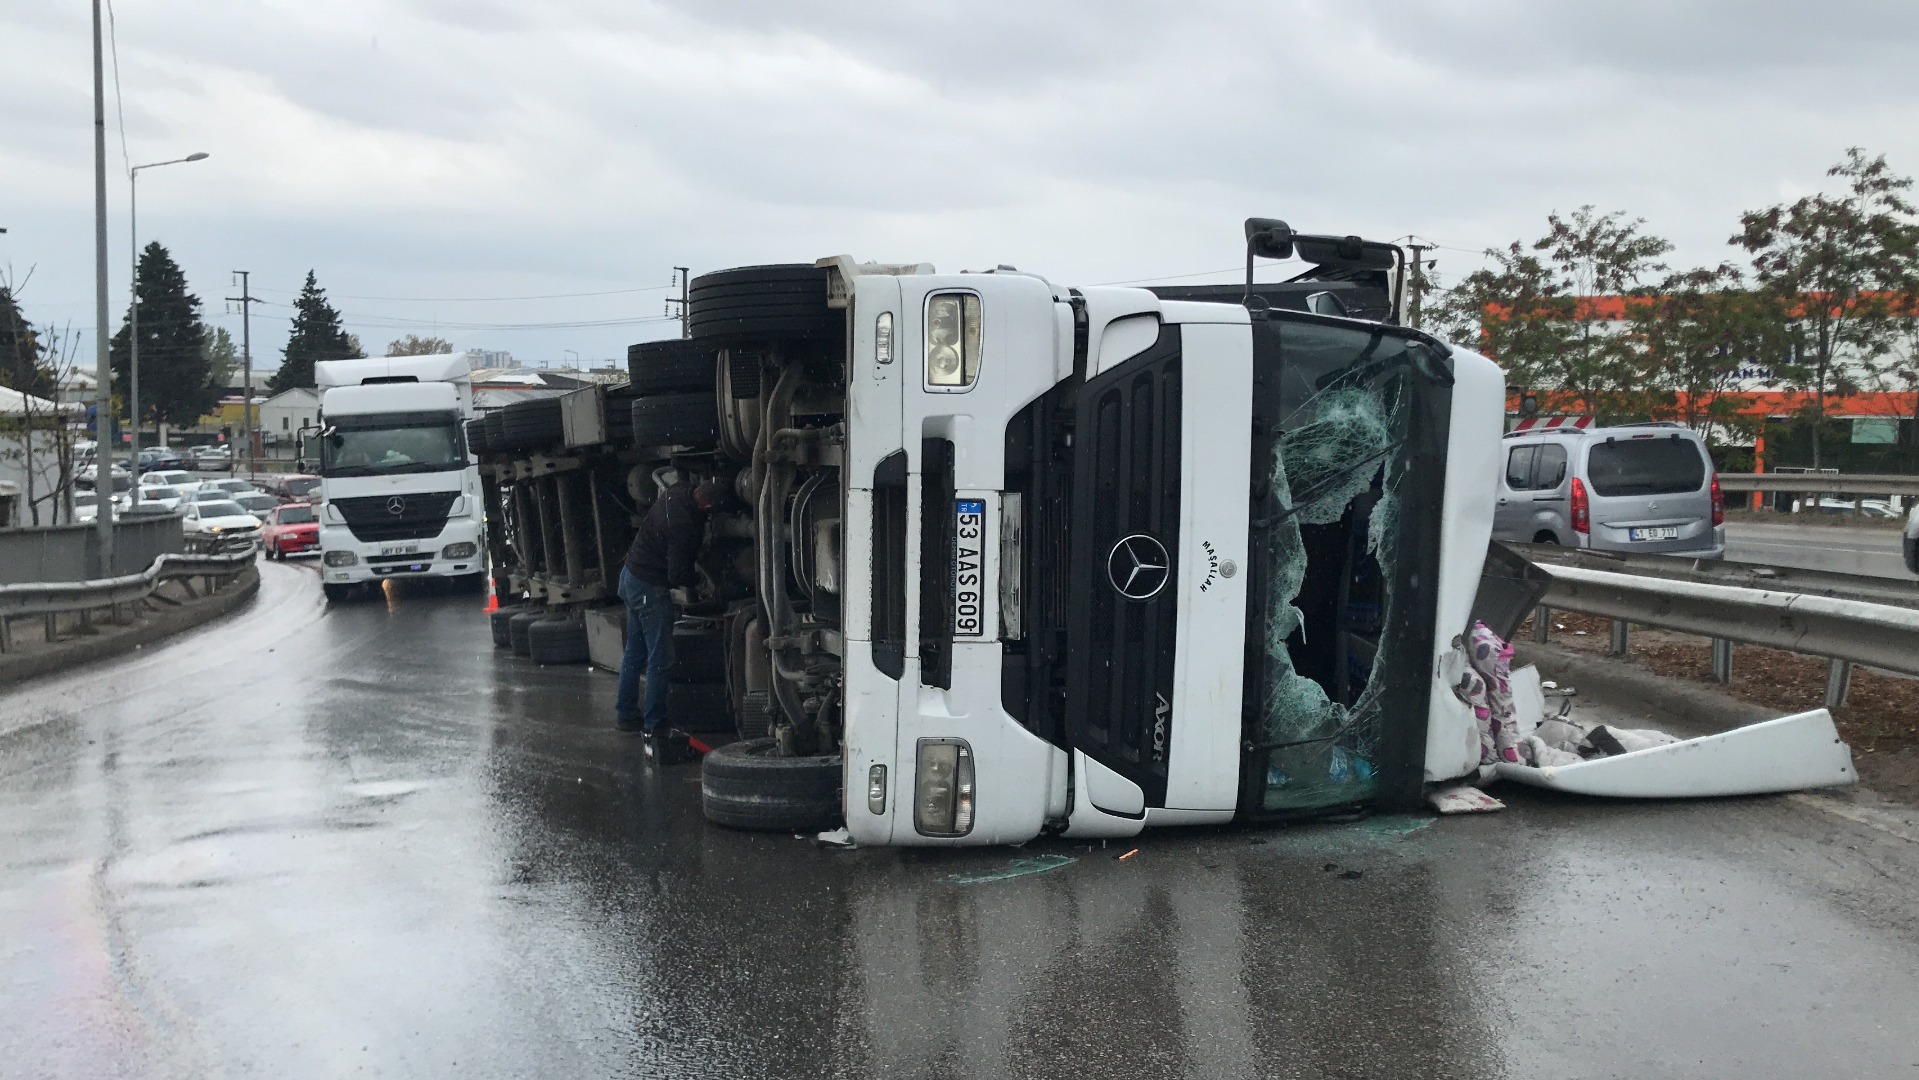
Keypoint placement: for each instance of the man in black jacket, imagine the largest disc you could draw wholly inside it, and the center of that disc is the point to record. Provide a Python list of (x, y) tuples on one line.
[(660, 561)]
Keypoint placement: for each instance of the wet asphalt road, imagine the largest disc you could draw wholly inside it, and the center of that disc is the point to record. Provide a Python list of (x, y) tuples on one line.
[(1875, 552), (356, 842)]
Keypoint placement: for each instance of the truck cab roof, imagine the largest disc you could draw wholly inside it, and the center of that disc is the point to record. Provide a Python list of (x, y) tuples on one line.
[(441, 368), (400, 397)]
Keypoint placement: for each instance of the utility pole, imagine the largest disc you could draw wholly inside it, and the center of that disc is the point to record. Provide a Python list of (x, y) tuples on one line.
[(686, 327), (1418, 284), (103, 365), (133, 309), (246, 300)]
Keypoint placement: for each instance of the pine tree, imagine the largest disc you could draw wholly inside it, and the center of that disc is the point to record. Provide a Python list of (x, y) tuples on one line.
[(317, 335), (20, 367), (173, 363), (223, 358)]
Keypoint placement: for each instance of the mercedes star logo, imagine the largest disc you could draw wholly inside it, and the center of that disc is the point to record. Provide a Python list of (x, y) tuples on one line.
[(1138, 567), (396, 506)]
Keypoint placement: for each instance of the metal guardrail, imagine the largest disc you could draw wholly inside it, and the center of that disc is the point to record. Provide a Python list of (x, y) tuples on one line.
[(1897, 592), (48, 599), (1822, 483)]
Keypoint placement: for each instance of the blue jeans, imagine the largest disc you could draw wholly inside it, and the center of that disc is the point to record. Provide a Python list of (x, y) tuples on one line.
[(650, 615)]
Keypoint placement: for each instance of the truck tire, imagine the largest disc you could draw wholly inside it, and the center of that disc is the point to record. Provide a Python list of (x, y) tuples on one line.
[(617, 415), (502, 634), (530, 425), (476, 436), (557, 641), (744, 786), (336, 593), (784, 301), (517, 626), (671, 366), (495, 425), (689, 419)]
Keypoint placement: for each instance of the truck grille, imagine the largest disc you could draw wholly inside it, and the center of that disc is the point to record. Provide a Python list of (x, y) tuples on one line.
[(1124, 579), (378, 519)]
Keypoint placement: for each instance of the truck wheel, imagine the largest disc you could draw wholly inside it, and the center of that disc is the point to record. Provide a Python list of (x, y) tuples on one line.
[(517, 627), (557, 641), (785, 301), (476, 436), (336, 593), (744, 786), (690, 419), (532, 424), (495, 425), (667, 367), (503, 634)]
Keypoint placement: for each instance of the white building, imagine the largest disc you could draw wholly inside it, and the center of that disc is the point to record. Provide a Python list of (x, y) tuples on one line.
[(285, 413)]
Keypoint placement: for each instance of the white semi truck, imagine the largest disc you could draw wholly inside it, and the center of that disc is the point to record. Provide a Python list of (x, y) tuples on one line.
[(1011, 557), (400, 491)]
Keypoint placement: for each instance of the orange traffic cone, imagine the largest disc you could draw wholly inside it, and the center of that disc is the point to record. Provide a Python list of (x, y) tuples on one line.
[(492, 596)]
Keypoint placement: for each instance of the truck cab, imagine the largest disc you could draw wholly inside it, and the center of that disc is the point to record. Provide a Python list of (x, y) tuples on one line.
[(400, 494), (1010, 557)]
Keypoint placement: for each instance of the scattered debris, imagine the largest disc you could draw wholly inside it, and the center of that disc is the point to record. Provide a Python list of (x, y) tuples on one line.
[(835, 838), (1128, 855), (1462, 799)]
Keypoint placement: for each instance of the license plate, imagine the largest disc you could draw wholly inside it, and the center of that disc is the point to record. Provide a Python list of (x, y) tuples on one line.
[(1653, 534), (400, 549), (969, 575)]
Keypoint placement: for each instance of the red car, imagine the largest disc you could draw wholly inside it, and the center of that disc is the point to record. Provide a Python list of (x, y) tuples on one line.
[(291, 528)]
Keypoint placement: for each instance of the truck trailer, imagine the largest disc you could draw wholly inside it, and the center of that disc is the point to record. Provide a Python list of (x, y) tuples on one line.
[(400, 491), (1009, 557)]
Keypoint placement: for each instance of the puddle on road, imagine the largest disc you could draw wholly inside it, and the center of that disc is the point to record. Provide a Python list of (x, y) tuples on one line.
[(1016, 868)]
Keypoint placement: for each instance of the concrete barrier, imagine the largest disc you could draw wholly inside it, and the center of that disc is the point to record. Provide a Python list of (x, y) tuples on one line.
[(37, 553)]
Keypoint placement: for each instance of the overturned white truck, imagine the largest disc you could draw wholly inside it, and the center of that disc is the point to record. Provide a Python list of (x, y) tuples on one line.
[(1010, 557)]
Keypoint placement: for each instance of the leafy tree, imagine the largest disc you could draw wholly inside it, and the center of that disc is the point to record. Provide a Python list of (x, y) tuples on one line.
[(173, 366), (39, 438), (1834, 261), (20, 367), (1507, 311), (414, 345), (222, 357), (317, 335), (1696, 331), (1533, 311), (1595, 256)]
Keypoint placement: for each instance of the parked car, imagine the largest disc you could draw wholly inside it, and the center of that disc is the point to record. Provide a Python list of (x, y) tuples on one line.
[(166, 498), (173, 478), (214, 457), (1912, 540), (86, 505), (232, 485), (1866, 508), (1643, 487), (221, 519), (293, 487), (209, 494), (86, 475), (161, 457), (291, 529), (256, 503)]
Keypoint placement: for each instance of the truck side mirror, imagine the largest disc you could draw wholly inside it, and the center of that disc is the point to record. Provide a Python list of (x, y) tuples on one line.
[(1269, 238)]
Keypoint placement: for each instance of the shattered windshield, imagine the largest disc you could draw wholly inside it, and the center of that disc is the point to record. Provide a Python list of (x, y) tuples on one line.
[(1331, 445), (392, 443)]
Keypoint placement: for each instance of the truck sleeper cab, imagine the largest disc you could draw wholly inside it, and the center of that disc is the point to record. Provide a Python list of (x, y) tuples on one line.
[(1010, 558)]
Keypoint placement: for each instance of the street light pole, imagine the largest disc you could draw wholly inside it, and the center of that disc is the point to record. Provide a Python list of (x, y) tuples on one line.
[(103, 363), (133, 310)]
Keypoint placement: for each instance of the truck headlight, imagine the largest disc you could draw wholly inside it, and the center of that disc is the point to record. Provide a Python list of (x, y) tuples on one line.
[(943, 788), (341, 558), (952, 340), (462, 550)]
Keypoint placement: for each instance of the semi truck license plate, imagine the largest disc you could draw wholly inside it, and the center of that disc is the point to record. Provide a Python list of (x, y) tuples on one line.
[(969, 575), (400, 549)]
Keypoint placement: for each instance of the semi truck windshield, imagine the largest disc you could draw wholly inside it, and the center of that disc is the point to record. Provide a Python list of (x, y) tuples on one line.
[(392, 443), (1334, 643)]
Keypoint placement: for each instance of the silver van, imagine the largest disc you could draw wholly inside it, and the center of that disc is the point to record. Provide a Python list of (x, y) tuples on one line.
[(1644, 487)]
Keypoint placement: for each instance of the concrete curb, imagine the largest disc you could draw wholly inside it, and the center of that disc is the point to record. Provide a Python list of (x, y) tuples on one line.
[(1696, 705), (155, 626)]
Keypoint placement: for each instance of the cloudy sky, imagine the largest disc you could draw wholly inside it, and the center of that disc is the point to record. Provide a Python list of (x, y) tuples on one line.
[(524, 176)]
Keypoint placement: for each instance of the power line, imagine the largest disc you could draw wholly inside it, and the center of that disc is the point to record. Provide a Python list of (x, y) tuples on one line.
[(1182, 277), (488, 299), (119, 105)]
